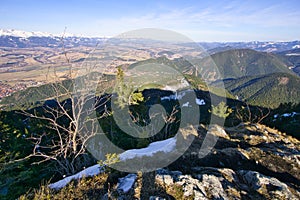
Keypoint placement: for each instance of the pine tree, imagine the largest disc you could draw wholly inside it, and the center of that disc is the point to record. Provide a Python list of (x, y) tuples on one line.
[(126, 93), (221, 110)]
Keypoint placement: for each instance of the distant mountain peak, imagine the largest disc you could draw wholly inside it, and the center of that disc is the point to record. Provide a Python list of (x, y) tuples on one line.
[(26, 34)]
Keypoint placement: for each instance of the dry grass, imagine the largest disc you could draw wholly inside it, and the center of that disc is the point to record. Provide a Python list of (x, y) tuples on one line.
[(86, 188)]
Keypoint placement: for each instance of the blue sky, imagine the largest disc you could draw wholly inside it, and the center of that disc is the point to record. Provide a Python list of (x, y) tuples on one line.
[(199, 20)]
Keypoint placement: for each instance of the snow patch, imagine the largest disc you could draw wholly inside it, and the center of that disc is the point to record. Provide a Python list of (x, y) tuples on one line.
[(186, 104), (126, 183), (169, 98), (292, 54), (200, 102), (90, 171), (166, 146), (292, 114), (177, 96)]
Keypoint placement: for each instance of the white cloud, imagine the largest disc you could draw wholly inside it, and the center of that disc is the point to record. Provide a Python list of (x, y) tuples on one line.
[(234, 19)]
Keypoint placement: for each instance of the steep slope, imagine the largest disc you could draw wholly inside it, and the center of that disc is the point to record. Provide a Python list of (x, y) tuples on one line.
[(267, 90), (292, 58), (243, 62), (179, 64), (35, 96), (188, 71)]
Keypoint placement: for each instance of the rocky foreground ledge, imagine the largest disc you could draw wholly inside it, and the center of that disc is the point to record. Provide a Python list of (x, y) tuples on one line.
[(250, 161), (224, 183)]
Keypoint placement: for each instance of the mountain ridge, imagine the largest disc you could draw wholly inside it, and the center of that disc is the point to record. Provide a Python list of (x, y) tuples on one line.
[(236, 63), (26, 34), (211, 47), (269, 90)]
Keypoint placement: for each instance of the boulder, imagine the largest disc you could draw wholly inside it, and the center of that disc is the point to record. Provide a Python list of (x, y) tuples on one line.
[(267, 186), (219, 131), (224, 183)]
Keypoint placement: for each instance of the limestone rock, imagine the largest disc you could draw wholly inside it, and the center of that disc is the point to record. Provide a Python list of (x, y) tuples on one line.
[(126, 183), (267, 186), (224, 183), (218, 131)]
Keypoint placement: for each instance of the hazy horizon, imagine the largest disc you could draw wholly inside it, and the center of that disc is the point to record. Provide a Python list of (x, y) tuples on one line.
[(213, 21), (104, 36)]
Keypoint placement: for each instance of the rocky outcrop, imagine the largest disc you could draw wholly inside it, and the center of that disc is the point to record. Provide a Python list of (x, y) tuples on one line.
[(248, 161), (224, 183), (267, 186)]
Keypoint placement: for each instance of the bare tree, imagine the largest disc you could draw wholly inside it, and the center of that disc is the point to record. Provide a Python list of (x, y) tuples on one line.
[(246, 115), (71, 120), (170, 120)]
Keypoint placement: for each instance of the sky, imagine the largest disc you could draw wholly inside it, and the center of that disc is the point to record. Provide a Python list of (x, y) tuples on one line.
[(199, 20)]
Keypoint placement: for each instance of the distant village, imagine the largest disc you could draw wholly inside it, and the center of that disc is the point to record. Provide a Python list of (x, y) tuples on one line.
[(6, 89)]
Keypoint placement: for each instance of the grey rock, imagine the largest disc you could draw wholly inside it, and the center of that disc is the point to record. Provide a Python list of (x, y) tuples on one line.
[(126, 183), (165, 179), (192, 186), (214, 185), (224, 183), (270, 185), (167, 172), (156, 198), (218, 131)]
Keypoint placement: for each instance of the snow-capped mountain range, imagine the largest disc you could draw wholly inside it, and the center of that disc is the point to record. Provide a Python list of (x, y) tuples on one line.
[(26, 39), (27, 34)]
